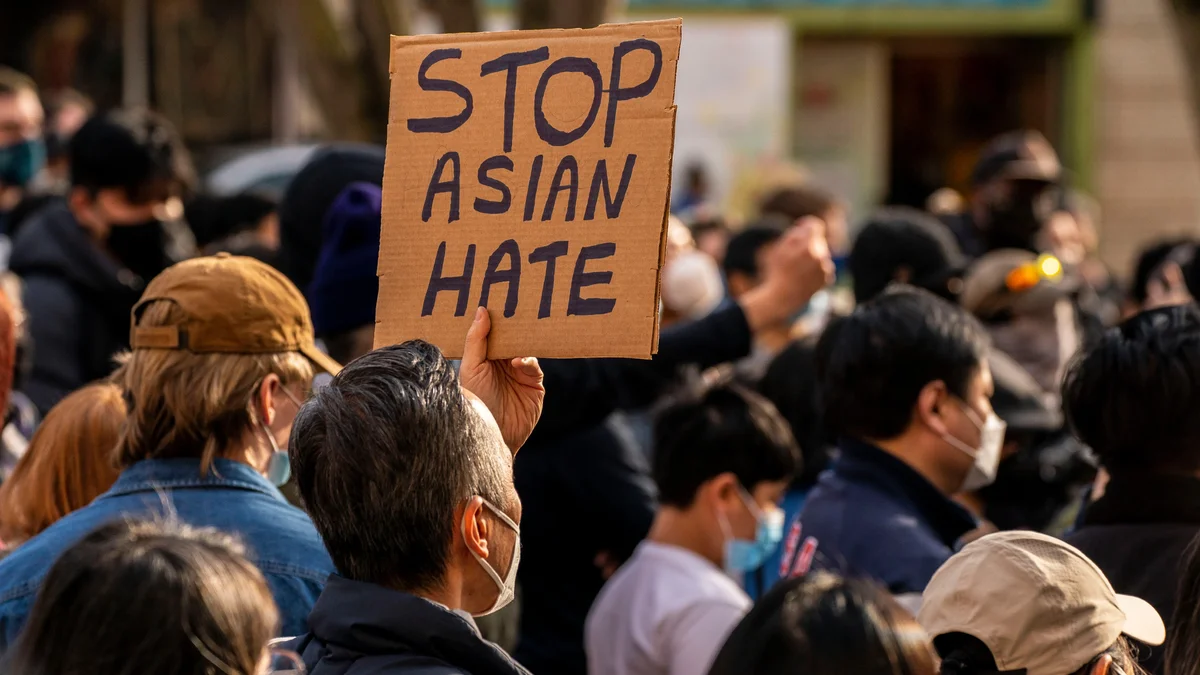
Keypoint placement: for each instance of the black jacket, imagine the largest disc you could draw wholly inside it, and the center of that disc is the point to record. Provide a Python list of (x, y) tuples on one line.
[(576, 468), (1137, 534), (78, 301), (363, 629)]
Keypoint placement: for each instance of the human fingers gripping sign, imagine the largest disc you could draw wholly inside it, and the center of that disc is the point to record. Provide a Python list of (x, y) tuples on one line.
[(511, 389)]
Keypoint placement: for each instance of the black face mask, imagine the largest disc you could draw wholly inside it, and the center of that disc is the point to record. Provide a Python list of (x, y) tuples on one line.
[(140, 247), (1016, 221)]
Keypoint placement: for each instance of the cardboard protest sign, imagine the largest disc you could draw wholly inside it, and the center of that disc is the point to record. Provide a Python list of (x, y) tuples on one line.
[(529, 172)]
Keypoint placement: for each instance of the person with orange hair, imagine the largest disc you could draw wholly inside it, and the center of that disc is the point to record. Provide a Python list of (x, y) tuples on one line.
[(68, 464)]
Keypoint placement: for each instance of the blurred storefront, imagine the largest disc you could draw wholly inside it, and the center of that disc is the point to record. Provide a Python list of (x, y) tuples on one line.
[(885, 101)]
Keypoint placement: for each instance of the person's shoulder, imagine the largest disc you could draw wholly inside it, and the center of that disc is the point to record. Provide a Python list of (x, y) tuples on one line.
[(272, 528), (39, 240), (22, 570)]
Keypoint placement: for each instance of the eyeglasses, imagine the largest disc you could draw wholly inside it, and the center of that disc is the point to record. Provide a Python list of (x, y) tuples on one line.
[(284, 662)]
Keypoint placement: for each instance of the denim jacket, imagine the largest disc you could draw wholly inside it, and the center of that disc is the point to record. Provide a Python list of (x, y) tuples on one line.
[(279, 538)]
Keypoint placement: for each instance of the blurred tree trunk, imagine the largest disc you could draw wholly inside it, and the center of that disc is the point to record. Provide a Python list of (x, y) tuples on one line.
[(533, 14)]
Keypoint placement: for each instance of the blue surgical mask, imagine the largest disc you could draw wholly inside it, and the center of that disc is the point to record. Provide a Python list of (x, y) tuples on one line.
[(279, 467), (742, 556), (21, 161)]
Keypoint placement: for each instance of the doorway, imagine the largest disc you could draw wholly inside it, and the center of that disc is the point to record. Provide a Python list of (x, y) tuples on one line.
[(950, 96)]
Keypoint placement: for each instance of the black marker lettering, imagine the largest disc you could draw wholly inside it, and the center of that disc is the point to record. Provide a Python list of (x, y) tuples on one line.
[(510, 62), (498, 206), (436, 186), (567, 64), (612, 205), (547, 254), (568, 163), (441, 125), (439, 283), (616, 93), (580, 279), (510, 276), (535, 175)]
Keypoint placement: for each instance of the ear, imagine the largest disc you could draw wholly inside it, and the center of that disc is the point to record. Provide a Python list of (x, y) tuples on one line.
[(80, 201), (1102, 666), (265, 397), (723, 487), (739, 283), (476, 532), (931, 406)]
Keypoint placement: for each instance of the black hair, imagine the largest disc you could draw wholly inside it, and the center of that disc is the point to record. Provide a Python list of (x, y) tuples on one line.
[(1183, 640), (1133, 395), (901, 243), (741, 254), (1149, 260), (384, 455), (791, 384), (135, 150), (822, 624), (310, 194), (874, 363), (719, 427), (964, 654), (798, 202), (215, 218), (145, 597)]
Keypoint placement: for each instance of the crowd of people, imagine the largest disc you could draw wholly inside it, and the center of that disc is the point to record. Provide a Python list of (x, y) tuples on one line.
[(950, 443)]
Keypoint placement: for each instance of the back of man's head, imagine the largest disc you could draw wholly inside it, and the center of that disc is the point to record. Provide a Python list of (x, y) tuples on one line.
[(1133, 396), (900, 244), (874, 363), (799, 201), (720, 428), (135, 150), (744, 250), (384, 455)]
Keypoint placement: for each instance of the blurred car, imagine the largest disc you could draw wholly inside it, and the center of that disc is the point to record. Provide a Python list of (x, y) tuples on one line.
[(261, 170)]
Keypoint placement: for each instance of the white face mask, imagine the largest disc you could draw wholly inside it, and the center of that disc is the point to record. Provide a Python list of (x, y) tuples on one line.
[(987, 455), (508, 586)]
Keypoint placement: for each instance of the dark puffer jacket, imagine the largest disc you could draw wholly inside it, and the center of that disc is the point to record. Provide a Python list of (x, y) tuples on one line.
[(78, 300), (363, 629)]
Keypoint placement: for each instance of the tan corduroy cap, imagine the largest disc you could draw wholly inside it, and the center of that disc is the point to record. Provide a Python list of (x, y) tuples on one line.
[(1038, 603), (234, 305)]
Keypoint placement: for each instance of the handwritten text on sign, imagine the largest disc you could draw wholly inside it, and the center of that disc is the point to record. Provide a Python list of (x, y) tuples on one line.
[(529, 172)]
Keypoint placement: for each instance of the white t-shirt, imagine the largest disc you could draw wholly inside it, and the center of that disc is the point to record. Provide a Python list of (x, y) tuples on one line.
[(665, 612)]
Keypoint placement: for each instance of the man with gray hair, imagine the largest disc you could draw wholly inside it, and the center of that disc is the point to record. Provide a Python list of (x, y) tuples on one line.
[(406, 470)]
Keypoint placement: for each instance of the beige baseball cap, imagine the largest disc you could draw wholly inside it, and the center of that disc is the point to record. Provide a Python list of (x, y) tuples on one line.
[(1038, 603)]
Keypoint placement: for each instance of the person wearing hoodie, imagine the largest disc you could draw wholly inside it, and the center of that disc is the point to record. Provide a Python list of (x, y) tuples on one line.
[(85, 260), (309, 197)]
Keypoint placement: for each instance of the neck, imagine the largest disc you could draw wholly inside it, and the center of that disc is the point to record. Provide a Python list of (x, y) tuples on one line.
[(10, 196), (447, 593), (775, 338), (249, 451), (909, 450), (684, 528)]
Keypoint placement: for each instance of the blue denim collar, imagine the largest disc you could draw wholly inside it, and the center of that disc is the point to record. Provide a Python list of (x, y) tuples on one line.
[(158, 474)]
